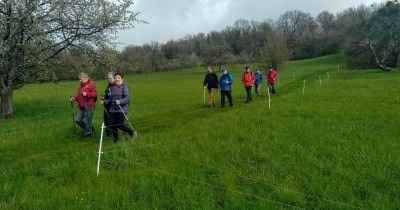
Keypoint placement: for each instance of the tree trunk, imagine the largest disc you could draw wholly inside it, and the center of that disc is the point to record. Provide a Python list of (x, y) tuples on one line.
[(7, 105)]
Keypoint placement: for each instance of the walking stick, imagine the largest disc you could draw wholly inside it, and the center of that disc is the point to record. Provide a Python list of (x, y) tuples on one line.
[(126, 118), (73, 114)]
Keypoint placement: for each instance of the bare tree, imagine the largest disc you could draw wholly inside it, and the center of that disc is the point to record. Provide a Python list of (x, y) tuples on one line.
[(35, 31)]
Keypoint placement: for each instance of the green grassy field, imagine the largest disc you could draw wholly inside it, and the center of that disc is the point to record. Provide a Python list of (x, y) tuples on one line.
[(335, 147)]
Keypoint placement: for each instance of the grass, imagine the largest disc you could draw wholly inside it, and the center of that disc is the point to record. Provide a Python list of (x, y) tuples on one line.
[(335, 147)]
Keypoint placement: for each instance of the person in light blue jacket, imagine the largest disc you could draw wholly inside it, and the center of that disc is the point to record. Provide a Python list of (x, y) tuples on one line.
[(259, 79), (226, 87)]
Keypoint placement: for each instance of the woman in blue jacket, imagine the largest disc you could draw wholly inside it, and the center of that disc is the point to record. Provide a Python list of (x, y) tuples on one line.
[(226, 87), (118, 101)]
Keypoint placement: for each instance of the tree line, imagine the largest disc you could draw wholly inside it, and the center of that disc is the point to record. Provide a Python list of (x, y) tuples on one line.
[(367, 35)]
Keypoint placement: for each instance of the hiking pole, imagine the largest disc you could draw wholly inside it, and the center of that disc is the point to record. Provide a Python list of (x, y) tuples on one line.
[(126, 118), (73, 115)]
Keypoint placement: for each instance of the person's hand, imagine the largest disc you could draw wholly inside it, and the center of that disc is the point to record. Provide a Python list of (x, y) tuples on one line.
[(227, 82), (117, 102), (102, 102), (72, 98), (84, 93)]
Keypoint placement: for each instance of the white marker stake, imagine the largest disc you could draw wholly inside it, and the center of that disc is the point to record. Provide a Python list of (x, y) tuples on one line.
[(338, 67), (304, 86), (320, 81), (101, 143), (328, 75), (204, 95), (269, 99)]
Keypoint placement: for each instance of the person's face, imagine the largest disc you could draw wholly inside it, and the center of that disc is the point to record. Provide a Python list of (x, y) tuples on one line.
[(248, 70), (83, 80), (118, 80), (110, 79), (225, 71)]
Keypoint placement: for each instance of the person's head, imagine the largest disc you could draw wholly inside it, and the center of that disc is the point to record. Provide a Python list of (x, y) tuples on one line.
[(257, 71), (247, 69), (224, 71), (271, 68), (118, 78), (110, 77), (209, 70), (83, 77)]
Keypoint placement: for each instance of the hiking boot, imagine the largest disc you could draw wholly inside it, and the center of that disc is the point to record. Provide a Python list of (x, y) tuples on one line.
[(133, 135)]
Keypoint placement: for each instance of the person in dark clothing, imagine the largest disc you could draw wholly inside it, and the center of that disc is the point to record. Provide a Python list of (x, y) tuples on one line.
[(86, 100), (226, 87), (211, 80), (106, 116), (119, 105)]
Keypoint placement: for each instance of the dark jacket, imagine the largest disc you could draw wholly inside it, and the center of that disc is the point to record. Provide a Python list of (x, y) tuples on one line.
[(211, 79), (91, 95), (120, 93), (107, 95), (226, 82)]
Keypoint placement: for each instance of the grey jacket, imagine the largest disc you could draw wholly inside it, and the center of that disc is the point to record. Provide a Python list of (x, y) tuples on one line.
[(120, 93)]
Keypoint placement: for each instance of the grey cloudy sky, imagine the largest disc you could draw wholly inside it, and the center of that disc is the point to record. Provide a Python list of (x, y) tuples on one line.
[(174, 19)]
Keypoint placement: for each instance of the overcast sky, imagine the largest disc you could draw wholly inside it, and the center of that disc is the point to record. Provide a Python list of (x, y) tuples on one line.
[(174, 19)]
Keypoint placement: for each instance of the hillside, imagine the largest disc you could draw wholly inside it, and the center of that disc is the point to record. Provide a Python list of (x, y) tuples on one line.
[(334, 147)]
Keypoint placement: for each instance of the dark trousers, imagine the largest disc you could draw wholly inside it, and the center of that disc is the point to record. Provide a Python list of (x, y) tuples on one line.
[(271, 88), (107, 121), (248, 90), (227, 93), (117, 122)]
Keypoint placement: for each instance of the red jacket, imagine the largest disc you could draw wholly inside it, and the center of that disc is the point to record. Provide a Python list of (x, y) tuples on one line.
[(272, 76), (248, 79), (91, 94)]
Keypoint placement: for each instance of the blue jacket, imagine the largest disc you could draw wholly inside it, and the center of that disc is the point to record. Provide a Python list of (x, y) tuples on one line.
[(259, 78), (120, 93), (226, 82)]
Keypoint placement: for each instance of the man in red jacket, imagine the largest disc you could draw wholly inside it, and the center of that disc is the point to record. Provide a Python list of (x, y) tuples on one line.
[(248, 80), (272, 77), (86, 99)]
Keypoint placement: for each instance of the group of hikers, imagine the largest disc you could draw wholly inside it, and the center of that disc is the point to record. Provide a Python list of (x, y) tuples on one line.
[(116, 98), (249, 79), (115, 101)]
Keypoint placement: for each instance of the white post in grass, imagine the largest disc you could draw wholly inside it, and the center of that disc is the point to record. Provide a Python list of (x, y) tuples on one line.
[(204, 95), (338, 67), (304, 86), (320, 81), (328, 75), (101, 143), (269, 99)]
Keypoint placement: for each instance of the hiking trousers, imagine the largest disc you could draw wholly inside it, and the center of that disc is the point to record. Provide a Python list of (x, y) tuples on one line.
[(84, 119)]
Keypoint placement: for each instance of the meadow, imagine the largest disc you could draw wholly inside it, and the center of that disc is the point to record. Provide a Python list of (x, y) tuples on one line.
[(334, 147)]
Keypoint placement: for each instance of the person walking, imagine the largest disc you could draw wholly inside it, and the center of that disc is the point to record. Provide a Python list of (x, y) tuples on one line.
[(258, 82), (272, 77), (106, 96), (86, 100), (118, 101), (248, 80), (226, 87), (211, 83)]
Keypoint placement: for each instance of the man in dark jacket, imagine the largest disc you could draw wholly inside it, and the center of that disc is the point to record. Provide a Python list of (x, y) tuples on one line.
[(86, 99), (211, 79)]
